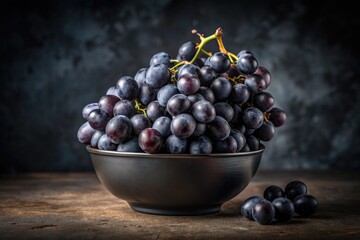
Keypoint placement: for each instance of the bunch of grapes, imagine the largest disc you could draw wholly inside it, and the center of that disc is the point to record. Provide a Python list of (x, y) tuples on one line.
[(198, 103)]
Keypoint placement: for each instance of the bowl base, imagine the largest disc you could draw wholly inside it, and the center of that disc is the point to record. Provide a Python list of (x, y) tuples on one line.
[(184, 211)]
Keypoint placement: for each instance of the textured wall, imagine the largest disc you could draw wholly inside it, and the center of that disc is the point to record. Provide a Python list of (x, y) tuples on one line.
[(57, 56)]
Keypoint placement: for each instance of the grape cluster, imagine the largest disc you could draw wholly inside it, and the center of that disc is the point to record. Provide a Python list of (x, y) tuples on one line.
[(198, 103), (279, 204)]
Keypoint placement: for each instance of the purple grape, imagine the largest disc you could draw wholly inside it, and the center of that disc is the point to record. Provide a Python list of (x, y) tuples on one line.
[(150, 140), (218, 129), (165, 93), (207, 75), (284, 209), (154, 110), (131, 145), (240, 93), (178, 104), (188, 69), (119, 129), (127, 88), (255, 83), (157, 76), (244, 52), (88, 108), (162, 124), (195, 98), (183, 125), (263, 212), (247, 63), (139, 122), (207, 93), (246, 148), (98, 119), (159, 58), (107, 103), (239, 138), (253, 143), (248, 205), (263, 101), (294, 189), (199, 130), (176, 145), (220, 62), (104, 143), (265, 74), (124, 107), (221, 88), (187, 51), (95, 138), (140, 77), (203, 111), (228, 145), (112, 91), (272, 192), (253, 118), (200, 145), (146, 94), (266, 131), (224, 110), (232, 72), (188, 84), (85, 133), (277, 117), (305, 205)]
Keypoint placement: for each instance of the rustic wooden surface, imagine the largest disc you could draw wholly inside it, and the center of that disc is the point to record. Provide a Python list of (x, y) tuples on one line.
[(77, 206)]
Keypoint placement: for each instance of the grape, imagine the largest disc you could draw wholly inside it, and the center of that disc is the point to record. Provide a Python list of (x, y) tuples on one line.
[(131, 145), (244, 52), (253, 118), (104, 143), (224, 110), (150, 140), (255, 83), (124, 107), (157, 76), (239, 93), (218, 129), (248, 205), (228, 145), (266, 131), (249, 131), (200, 145), (265, 74), (176, 145), (207, 75), (107, 103), (88, 108), (263, 101), (236, 121), (203, 111), (98, 119), (188, 84), (277, 117), (221, 88), (118, 129), (140, 77), (95, 138), (247, 63), (189, 69), (294, 189), (253, 142), (162, 125), (239, 138), (187, 51), (273, 192), (246, 148), (159, 58), (127, 88), (178, 104), (139, 122), (183, 125), (112, 91), (220, 62), (85, 133), (154, 110), (165, 93), (284, 209), (146, 94), (199, 130), (305, 205), (198, 62), (207, 93), (263, 212), (195, 98)]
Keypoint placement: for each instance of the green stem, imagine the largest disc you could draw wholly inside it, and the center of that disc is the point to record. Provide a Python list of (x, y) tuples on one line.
[(202, 44)]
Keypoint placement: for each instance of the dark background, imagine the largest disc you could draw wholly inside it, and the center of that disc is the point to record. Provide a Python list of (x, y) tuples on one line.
[(57, 56)]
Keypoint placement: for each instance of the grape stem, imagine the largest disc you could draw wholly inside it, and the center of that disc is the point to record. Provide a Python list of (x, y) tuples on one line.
[(140, 108)]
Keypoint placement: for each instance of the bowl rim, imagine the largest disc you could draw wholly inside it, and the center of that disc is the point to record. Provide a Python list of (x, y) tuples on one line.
[(167, 155)]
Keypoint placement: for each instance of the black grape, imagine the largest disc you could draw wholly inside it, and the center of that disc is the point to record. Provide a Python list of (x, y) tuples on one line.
[(220, 62), (127, 88), (199, 130), (98, 119), (125, 107), (224, 110), (239, 138), (165, 93), (139, 122), (207, 93), (253, 142), (188, 84), (200, 145), (131, 145), (247, 63), (203, 111), (104, 143), (263, 101), (95, 138), (107, 103), (88, 108), (305, 205), (178, 104), (266, 131), (284, 209), (255, 83), (207, 75), (159, 58), (294, 189), (187, 51), (265, 74), (183, 125), (147, 94), (162, 124), (263, 212), (189, 69), (140, 77), (195, 98), (85, 133), (221, 88), (119, 129), (157, 76), (272, 192), (218, 129), (154, 110), (253, 118), (150, 140), (240, 93), (277, 117), (227, 145), (248, 205)]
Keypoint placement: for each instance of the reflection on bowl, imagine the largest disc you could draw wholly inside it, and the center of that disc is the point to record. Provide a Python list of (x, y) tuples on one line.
[(175, 184)]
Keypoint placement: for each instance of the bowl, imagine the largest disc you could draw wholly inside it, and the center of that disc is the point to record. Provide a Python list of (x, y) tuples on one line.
[(175, 184)]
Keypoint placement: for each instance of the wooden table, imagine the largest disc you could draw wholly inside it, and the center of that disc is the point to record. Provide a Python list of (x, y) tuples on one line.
[(77, 206)]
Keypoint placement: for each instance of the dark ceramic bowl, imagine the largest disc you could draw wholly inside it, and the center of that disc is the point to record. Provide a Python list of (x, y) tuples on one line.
[(171, 184)]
